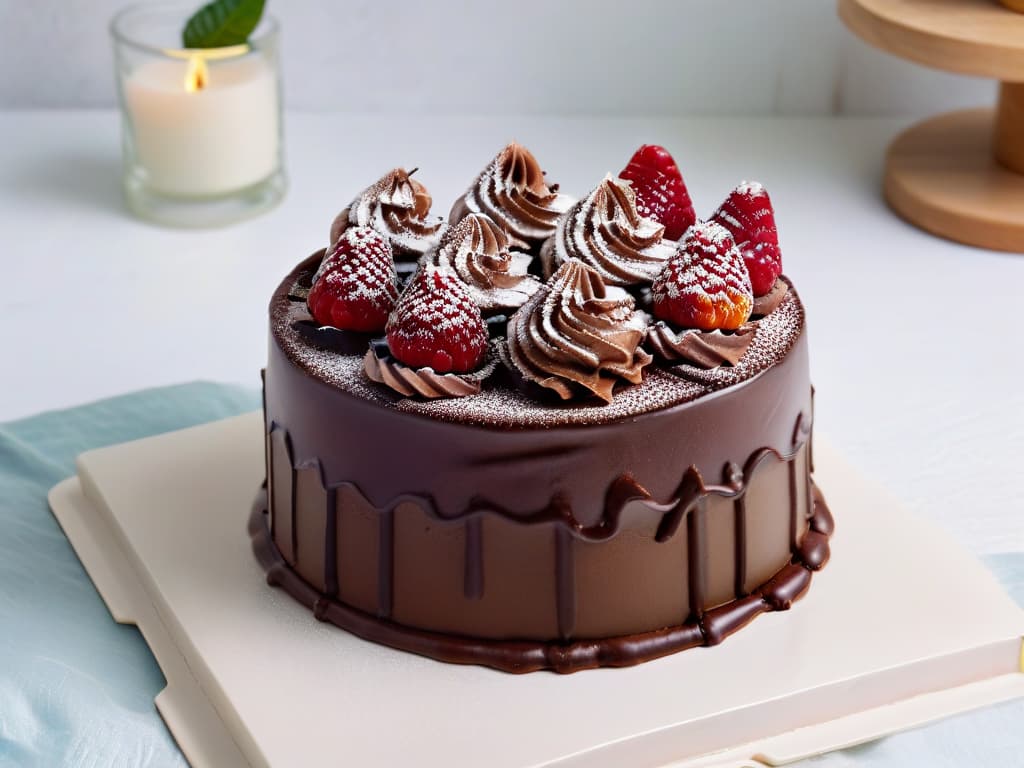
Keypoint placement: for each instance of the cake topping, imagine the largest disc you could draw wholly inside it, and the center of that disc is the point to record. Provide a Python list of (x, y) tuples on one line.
[(747, 213), (577, 336), (476, 249), (355, 287), (380, 366), (512, 190), (436, 324), (705, 285), (660, 191), (769, 302), (606, 232), (705, 349), (398, 207)]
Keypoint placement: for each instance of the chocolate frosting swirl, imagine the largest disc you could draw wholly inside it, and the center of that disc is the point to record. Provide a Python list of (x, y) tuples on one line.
[(606, 232), (577, 336), (512, 190), (476, 249), (423, 382), (398, 207), (704, 349)]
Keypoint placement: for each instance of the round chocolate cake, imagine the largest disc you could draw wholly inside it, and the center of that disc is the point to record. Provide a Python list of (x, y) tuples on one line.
[(565, 442)]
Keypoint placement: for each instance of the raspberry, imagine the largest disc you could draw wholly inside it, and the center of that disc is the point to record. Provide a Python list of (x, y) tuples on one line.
[(660, 192), (747, 213), (705, 285), (356, 287), (436, 324)]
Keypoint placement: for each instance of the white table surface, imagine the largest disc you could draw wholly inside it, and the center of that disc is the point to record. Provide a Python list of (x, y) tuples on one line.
[(915, 342)]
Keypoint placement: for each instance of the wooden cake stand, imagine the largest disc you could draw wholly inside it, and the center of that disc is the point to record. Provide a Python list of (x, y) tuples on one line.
[(959, 175)]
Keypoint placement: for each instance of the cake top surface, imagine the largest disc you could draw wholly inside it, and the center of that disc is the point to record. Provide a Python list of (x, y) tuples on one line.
[(500, 404), (528, 311)]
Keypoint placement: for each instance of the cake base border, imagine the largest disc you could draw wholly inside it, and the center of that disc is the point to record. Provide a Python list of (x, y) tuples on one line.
[(779, 593)]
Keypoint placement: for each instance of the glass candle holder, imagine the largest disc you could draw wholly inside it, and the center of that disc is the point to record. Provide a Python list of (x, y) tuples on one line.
[(201, 128)]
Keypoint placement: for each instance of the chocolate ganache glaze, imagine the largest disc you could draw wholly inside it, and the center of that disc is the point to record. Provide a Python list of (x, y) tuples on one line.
[(513, 192), (398, 207), (524, 534), (477, 250), (605, 231)]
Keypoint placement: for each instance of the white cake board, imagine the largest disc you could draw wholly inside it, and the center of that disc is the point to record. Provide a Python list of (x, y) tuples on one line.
[(901, 627)]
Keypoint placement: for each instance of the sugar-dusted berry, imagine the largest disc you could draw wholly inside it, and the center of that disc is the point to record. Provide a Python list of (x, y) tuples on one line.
[(747, 213), (660, 191), (356, 287), (436, 324), (705, 285)]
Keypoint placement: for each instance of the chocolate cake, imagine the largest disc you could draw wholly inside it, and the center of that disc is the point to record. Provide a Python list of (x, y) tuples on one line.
[(594, 468)]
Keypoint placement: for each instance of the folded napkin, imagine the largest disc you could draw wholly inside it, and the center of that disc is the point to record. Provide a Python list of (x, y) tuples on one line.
[(77, 689)]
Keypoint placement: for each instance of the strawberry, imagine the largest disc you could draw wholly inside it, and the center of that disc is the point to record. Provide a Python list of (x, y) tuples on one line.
[(356, 286), (705, 285), (660, 192), (747, 213), (436, 324)]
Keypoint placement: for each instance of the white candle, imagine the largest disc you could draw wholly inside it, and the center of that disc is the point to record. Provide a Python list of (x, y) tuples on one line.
[(209, 140)]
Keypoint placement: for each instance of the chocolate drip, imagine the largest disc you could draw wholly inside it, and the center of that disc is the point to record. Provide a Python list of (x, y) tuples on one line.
[(565, 583), (331, 544), (739, 507), (696, 553), (794, 510), (294, 508), (520, 656), (385, 562), (473, 583), (690, 490)]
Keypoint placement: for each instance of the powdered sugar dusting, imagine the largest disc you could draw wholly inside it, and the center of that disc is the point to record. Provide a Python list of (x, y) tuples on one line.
[(499, 405), (751, 188)]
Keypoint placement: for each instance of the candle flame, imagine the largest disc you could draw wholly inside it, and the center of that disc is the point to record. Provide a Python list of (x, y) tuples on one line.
[(197, 76)]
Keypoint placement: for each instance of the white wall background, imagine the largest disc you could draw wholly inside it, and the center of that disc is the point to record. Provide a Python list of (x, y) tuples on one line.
[(651, 57)]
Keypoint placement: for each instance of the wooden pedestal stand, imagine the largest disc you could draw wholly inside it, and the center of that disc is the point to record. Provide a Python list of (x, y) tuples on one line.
[(959, 175)]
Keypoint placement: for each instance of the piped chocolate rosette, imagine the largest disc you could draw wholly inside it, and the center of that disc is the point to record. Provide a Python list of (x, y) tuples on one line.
[(437, 342), (605, 232), (513, 192), (476, 249), (577, 336), (397, 206)]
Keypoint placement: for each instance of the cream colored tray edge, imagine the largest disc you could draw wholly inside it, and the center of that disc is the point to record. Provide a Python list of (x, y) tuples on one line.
[(205, 734)]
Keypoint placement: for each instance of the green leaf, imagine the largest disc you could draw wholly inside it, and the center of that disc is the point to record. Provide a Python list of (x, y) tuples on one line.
[(222, 22)]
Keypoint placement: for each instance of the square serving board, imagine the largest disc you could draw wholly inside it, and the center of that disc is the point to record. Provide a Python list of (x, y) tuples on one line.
[(900, 628)]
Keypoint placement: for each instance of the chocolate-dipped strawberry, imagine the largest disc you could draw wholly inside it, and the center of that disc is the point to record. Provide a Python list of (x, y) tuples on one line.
[(748, 215), (577, 336), (477, 250), (437, 341), (513, 192), (703, 300), (397, 206), (607, 233)]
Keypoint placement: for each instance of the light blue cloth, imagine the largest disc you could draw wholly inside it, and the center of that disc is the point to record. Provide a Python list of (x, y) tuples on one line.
[(76, 689)]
